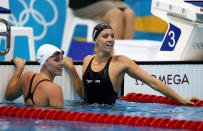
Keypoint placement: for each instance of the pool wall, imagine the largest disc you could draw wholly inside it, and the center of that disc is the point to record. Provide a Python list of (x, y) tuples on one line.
[(184, 77)]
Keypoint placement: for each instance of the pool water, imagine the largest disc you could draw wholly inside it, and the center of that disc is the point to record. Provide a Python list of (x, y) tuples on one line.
[(21, 124), (141, 109), (120, 108)]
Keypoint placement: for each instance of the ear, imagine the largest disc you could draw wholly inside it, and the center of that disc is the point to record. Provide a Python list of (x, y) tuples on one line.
[(95, 41)]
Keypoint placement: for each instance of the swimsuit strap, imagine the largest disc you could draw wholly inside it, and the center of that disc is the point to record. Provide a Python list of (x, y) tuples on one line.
[(39, 83), (30, 94), (108, 62)]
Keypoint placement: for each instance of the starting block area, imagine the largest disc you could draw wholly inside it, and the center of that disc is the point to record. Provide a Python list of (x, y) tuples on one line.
[(183, 40)]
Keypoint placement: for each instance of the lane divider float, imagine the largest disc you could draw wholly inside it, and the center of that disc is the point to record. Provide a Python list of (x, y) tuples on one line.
[(146, 98), (99, 118)]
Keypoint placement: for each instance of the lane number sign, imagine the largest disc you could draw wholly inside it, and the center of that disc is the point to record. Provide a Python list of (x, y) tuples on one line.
[(171, 38)]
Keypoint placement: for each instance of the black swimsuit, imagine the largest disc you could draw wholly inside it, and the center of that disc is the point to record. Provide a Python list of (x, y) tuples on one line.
[(30, 94), (97, 86)]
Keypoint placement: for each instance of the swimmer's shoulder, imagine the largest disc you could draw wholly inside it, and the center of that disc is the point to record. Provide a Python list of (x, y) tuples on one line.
[(51, 88), (88, 58), (28, 74), (86, 61), (121, 58), (122, 61), (26, 77)]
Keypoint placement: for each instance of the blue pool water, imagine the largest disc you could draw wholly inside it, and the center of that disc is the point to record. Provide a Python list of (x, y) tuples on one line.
[(120, 107)]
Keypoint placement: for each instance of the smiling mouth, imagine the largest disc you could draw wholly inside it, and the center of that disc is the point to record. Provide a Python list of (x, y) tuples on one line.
[(60, 68), (110, 44)]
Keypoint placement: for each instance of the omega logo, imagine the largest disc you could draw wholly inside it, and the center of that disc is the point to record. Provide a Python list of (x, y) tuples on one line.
[(198, 45), (169, 79)]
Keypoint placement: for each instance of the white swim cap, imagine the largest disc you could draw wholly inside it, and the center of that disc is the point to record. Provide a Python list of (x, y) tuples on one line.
[(44, 52)]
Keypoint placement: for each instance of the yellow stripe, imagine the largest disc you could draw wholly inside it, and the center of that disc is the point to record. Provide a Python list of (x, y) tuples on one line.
[(84, 39), (145, 24), (150, 24)]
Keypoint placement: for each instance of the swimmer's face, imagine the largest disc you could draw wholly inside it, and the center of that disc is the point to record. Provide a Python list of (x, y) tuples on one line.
[(105, 40), (55, 65)]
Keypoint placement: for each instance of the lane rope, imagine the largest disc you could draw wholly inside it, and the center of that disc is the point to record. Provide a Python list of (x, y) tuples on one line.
[(55, 114), (146, 98)]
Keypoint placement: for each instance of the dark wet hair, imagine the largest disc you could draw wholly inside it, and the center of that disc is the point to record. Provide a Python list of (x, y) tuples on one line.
[(99, 28)]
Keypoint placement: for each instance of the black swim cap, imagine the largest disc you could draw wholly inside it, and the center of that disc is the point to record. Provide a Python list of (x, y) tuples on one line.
[(99, 28)]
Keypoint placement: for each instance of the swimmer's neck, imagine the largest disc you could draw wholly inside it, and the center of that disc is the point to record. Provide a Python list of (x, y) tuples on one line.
[(46, 74), (100, 58)]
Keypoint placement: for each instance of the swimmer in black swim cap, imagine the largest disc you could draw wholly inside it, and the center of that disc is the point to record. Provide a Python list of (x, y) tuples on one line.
[(99, 28), (103, 72)]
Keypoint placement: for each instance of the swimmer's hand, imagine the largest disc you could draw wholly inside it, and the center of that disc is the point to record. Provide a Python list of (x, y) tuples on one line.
[(68, 62), (190, 101), (19, 63)]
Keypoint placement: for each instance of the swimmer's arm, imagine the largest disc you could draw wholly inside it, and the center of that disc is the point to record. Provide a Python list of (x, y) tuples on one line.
[(14, 87), (77, 83), (136, 72)]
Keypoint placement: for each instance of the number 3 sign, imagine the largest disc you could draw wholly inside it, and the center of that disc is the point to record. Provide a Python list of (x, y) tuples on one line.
[(171, 38)]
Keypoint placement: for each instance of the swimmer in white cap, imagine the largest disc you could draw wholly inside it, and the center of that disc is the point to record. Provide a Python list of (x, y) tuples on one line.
[(38, 88)]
